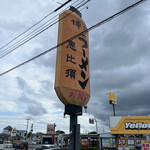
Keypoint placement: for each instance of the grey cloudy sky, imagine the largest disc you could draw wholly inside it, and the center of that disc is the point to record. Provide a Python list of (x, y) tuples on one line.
[(119, 61)]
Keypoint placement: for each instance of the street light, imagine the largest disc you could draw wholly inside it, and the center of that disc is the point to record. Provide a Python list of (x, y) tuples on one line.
[(27, 128), (91, 121)]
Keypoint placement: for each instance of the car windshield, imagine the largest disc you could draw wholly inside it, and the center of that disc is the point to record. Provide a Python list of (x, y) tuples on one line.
[(7, 142), (53, 146), (1, 142)]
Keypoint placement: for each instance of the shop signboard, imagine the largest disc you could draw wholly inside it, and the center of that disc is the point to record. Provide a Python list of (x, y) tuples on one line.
[(112, 98), (50, 129), (84, 142), (72, 80), (130, 125), (108, 142), (145, 145)]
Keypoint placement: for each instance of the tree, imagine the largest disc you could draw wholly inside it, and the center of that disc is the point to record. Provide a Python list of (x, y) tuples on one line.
[(93, 132), (60, 132)]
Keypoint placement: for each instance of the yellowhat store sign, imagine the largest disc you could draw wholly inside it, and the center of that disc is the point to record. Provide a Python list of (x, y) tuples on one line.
[(130, 125)]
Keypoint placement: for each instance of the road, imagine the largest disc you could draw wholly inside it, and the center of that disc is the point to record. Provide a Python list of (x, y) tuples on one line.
[(30, 147)]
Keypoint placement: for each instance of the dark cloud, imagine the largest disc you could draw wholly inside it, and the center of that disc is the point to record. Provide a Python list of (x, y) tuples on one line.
[(119, 60), (28, 99), (21, 83), (34, 108)]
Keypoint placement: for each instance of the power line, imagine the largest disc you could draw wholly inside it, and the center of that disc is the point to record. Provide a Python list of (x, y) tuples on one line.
[(36, 32), (35, 24), (83, 32), (29, 37)]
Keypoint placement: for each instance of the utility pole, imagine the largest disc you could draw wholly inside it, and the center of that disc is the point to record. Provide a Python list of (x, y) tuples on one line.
[(27, 128), (91, 121), (114, 109), (31, 130)]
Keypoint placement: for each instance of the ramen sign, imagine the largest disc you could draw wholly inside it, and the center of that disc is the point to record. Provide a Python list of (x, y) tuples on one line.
[(72, 81)]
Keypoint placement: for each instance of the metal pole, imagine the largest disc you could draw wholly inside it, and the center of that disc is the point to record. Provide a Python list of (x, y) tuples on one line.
[(73, 121), (96, 125), (114, 110), (74, 133), (27, 128), (74, 111), (96, 131)]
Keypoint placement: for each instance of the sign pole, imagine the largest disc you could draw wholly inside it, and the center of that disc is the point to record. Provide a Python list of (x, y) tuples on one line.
[(74, 111), (72, 81), (74, 133), (114, 109)]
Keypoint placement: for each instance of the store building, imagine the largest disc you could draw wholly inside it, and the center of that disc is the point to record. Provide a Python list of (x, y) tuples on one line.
[(130, 130)]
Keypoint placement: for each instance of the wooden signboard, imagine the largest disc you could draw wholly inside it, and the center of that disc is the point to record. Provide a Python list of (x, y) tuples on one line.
[(72, 81)]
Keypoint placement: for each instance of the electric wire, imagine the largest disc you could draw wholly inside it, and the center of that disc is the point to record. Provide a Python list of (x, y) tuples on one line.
[(18, 43), (35, 24), (77, 35), (37, 31), (30, 36)]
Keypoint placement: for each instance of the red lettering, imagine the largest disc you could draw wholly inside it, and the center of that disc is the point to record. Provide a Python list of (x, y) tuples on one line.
[(73, 93), (85, 97), (80, 95)]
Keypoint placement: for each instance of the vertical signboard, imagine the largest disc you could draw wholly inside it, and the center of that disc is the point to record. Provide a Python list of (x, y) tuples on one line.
[(72, 81), (112, 98), (50, 129)]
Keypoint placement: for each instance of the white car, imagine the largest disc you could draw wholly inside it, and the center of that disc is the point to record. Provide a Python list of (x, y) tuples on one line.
[(7, 144), (47, 147), (1, 145)]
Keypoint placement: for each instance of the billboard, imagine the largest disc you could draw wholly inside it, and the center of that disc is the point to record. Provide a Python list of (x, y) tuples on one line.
[(112, 98), (145, 145), (50, 129), (72, 80), (130, 125)]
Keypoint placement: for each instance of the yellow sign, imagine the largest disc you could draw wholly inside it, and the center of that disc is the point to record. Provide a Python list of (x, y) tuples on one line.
[(72, 81), (145, 145), (14, 130), (112, 98), (132, 125)]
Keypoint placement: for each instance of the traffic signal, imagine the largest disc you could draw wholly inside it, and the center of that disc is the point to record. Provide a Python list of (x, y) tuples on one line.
[(91, 121)]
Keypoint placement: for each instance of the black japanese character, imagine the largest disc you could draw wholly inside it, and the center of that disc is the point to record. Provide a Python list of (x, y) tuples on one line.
[(84, 64), (73, 21), (70, 58), (71, 73), (71, 44), (84, 83), (78, 24), (83, 75), (83, 52), (85, 42), (84, 28)]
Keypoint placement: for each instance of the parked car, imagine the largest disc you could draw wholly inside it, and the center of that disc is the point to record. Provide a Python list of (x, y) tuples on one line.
[(47, 147), (1, 145), (7, 144), (21, 146)]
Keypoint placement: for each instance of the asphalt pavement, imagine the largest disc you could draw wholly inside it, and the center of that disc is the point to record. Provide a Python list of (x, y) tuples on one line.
[(30, 147)]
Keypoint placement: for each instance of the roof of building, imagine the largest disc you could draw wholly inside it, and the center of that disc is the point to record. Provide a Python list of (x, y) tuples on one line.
[(8, 128)]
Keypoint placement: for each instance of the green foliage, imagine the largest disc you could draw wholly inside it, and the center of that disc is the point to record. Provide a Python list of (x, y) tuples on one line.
[(89, 148), (93, 132), (60, 132)]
